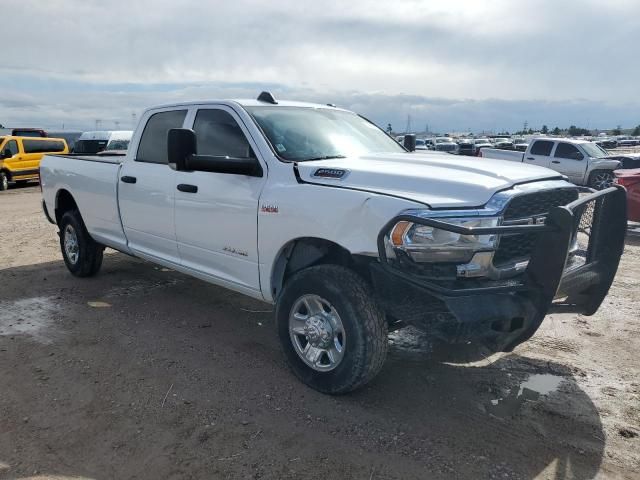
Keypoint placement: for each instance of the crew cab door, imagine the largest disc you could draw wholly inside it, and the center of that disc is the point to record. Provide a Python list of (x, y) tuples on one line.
[(216, 214), (570, 161), (146, 190), (539, 153)]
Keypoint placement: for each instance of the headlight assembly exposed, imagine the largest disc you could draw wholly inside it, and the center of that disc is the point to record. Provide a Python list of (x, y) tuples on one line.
[(428, 244)]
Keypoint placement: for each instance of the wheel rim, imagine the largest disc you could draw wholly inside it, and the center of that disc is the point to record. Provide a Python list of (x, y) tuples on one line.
[(602, 181), (317, 333), (71, 247)]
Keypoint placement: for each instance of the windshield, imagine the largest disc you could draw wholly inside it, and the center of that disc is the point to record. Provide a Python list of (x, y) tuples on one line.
[(117, 145), (420, 142), (443, 140), (594, 150), (302, 133)]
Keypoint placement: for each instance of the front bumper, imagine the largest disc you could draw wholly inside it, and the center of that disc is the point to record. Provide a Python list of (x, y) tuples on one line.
[(503, 314)]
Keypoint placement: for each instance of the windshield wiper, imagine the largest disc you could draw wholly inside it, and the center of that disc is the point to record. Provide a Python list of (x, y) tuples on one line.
[(326, 157)]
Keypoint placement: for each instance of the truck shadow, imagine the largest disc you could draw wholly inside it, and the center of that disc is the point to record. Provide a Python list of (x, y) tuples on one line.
[(128, 335)]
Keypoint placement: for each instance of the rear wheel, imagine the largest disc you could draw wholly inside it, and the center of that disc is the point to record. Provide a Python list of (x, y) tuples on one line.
[(601, 179), (332, 331), (82, 255), (4, 181)]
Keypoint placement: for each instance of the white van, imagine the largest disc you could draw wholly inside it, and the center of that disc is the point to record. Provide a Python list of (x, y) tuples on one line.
[(91, 143)]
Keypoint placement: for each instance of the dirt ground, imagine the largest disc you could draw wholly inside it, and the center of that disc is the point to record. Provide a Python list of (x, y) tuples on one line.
[(144, 373)]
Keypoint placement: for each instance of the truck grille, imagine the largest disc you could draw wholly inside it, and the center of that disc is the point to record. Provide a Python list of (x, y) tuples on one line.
[(521, 210)]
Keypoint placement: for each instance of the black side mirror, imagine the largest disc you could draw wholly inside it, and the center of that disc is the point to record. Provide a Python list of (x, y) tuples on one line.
[(410, 142), (181, 144), (182, 151)]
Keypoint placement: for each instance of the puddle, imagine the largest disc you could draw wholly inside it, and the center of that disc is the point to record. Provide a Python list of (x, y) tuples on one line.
[(531, 389), (28, 316)]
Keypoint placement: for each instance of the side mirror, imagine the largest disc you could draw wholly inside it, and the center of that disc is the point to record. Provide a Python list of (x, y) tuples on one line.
[(182, 151), (181, 144), (578, 156), (410, 142)]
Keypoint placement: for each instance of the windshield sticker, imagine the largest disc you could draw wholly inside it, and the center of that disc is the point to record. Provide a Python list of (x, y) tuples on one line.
[(280, 147)]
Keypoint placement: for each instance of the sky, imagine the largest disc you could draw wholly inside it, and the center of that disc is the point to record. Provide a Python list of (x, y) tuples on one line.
[(454, 65)]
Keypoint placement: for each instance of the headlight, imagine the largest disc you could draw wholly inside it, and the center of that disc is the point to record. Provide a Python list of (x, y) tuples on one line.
[(428, 244)]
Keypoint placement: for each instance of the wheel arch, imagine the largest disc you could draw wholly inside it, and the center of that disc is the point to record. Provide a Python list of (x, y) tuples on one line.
[(304, 252), (64, 203)]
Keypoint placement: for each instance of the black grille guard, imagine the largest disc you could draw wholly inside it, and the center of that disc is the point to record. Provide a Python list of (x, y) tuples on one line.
[(598, 220)]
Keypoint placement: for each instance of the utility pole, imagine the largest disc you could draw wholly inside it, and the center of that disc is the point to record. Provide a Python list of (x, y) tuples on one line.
[(408, 129), (98, 123)]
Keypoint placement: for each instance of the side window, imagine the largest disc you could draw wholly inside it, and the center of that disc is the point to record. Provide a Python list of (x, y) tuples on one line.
[(12, 146), (541, 147), (42, 146), (220, 135), (153, 143), (566, 150)]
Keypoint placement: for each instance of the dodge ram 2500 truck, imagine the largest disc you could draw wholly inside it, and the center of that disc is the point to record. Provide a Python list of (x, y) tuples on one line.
[(584, 163), (318, 211)]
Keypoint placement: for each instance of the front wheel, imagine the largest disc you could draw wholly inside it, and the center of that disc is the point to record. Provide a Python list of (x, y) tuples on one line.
[(601, 179), (82, 255), (333, 333), (4, 181)]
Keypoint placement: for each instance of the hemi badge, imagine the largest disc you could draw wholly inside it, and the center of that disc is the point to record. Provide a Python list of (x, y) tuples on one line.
[(335, 173)]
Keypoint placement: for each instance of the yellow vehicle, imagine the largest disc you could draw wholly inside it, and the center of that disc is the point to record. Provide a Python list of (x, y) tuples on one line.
[(20, 157)]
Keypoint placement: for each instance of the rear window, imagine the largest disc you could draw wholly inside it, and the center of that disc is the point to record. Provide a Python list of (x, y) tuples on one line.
[(89, 147), (153, 143), (541, 147), (43, 146)]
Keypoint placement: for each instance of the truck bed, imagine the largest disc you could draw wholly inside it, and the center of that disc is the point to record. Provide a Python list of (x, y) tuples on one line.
[(93, 182), (499, 154)]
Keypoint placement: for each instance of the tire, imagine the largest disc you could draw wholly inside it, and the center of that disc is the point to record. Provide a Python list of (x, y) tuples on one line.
[(601, 179), (362, 330), (4, 181), (82, 255)]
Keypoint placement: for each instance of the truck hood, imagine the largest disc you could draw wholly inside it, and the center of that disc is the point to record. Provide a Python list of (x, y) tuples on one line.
[(437, 180)]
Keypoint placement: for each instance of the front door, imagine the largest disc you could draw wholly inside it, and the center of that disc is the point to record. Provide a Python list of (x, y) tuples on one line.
[(146, 191), (216, 213), (568, 160)]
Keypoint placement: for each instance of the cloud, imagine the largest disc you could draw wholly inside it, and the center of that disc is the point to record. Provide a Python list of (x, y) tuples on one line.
[(491, 64)]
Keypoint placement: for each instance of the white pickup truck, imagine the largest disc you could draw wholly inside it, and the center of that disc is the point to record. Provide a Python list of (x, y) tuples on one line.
[(318, 211), (584, 163)]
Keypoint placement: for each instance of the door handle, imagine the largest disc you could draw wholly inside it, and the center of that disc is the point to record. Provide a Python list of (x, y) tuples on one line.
[(555, 161), (128, 179), (530, 158), (185, 187)]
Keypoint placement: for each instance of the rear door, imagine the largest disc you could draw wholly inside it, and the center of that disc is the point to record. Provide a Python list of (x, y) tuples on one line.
[(568, 160), (146, 190), (217, 213), (539, 153)]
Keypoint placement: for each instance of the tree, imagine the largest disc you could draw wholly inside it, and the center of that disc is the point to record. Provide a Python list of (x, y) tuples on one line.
[(577, 131), (556, 131), (636, 131), (545, 129), (617, 131)]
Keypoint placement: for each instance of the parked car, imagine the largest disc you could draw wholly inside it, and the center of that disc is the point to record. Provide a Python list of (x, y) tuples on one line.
[(627, 142), (466, 147), (28, 132), (630, 179), (445, 144), (90, 143), (520, 144), (314, 209), (503, 143), (480, 143), (607, 142), (627, 161), (421, 144), (20, 157), (584, 163)]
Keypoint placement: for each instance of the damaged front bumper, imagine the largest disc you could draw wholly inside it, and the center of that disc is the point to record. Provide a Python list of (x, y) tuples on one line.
[(572, 266)]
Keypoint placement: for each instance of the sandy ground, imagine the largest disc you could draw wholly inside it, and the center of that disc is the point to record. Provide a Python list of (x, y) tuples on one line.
[(144, 373)]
